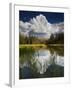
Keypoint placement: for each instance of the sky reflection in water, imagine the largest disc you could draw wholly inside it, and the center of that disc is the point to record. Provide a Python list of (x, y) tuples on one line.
[(41, 59)]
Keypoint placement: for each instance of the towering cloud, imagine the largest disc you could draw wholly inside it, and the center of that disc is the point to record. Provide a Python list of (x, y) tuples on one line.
[(40, 24)]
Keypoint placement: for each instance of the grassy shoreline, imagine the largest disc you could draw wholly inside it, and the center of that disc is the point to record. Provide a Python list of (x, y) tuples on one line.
[(43, 45)]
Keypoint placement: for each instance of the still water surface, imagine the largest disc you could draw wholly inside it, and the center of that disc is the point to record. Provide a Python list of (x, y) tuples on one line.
[(41, 62)]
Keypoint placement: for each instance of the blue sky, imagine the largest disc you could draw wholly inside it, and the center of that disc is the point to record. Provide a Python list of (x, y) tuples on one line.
[(52, 17)]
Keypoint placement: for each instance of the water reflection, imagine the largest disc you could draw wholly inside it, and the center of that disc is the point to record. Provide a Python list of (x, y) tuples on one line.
[(38, 61)]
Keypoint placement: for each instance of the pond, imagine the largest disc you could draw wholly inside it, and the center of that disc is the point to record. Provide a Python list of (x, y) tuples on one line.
[(41, 62)]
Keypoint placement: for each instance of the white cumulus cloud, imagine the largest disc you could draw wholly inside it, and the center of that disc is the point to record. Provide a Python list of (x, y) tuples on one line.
[(40, 24)]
